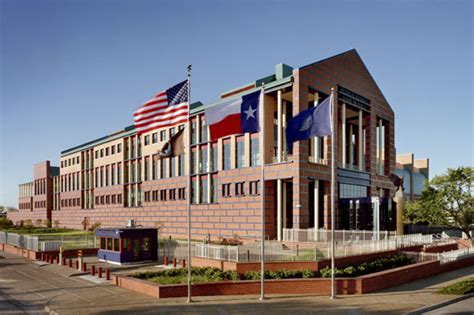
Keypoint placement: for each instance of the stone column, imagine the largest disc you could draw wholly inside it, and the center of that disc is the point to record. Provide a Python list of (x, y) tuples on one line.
[(343, 145), (279, 209), (279, 127), (361, 142)]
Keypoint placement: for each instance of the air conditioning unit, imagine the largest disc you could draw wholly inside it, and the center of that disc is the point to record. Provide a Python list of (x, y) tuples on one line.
[(131, 223)]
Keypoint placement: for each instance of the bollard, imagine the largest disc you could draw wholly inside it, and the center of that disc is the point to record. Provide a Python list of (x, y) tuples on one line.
[(184, 263), (46, 257), (100, 272), (64, 261), (107, 274), (165, 261), (77, 264), (93, 270), (57, 260), (248, 255), (51, 259), (70, 263), (174, 262), (84, 266), (42, 256)]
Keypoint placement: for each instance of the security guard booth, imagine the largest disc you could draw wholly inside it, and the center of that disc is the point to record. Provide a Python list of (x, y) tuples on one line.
[(127, 245)]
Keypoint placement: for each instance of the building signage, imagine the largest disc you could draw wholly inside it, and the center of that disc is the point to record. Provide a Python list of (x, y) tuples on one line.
[(351, 98)]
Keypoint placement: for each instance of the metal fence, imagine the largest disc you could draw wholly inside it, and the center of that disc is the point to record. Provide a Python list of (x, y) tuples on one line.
[(287, 251), (48, 242), (341, 236)]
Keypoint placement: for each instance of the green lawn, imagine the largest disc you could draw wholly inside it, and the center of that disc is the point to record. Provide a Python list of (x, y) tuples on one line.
[(459, 288), (37, 231)]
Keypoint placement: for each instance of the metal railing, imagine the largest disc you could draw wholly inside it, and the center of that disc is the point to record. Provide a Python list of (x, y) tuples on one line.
[(455, 255), (344, 236), (48, 242)]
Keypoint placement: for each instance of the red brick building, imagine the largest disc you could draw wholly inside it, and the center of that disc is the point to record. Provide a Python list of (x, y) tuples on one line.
[(119, 177)]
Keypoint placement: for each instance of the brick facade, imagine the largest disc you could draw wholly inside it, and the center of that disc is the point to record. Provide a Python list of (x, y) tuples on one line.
[(86, 192)]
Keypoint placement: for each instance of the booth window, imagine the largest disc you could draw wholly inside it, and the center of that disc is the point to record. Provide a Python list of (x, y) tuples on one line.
[(102, 242), (109, 244), (116, 245), (125, 244), (146, 244)]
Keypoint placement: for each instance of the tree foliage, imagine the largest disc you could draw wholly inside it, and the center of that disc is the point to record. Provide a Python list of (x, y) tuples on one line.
[(446, 200)]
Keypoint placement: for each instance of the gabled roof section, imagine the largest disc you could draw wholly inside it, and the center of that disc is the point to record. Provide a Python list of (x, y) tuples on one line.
[(350, 55)]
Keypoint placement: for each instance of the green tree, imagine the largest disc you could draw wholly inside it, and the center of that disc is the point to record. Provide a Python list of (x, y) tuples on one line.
[(446, 200)]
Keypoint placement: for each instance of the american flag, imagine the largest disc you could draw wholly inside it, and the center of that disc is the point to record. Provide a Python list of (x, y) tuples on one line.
[(165, 109)]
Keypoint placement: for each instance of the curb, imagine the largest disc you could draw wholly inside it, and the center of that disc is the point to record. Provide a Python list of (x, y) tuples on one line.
[(439, 305)]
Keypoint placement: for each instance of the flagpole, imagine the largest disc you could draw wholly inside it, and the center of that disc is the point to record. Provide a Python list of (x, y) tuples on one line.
[(189, 184), (333, 216), (262, 198)]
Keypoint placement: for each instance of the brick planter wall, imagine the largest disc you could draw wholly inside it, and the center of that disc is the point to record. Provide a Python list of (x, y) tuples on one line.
[(441, 248), (34, 255), (315, 286)]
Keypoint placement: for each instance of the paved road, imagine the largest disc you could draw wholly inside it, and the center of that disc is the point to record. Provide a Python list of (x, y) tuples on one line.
[(26, 287), (464, 307)]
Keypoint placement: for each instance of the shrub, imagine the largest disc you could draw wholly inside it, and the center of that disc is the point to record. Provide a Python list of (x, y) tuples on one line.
[(39, 223), (95, 226), (459, 288), (28, 223), (5, 222), (368, 267), (56, 223)]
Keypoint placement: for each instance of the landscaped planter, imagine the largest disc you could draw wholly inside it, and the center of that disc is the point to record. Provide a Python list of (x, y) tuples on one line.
[(310, 286)]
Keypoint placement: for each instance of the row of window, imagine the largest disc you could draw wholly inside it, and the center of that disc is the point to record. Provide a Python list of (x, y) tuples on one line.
[(40, 186), (70, 182), (153, 138), (108, 151), (165, 194), (40, 204), (108, 200), (70, 162), (108, 175), (123, 245), (24, 206), (239, 189), (70, 202)]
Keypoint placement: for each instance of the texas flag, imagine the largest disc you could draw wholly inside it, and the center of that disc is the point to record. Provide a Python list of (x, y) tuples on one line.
[(234, 116)]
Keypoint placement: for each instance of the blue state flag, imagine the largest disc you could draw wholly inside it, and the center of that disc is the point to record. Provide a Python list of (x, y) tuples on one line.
[(249, 112), (313, 122)]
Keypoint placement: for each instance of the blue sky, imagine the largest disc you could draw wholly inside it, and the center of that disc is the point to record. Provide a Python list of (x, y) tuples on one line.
[(72, 71)]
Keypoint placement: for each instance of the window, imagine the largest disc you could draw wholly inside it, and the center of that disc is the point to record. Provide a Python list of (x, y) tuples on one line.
[(163, 168), (103, 241), (226, 155), (101, 152), (147, 167), (155, 195), (102, 176), (254, 151), (112, 149), (155, 167), (107, 175), (116, 244), (112, 173), (163, 135), (193, 160), (163, 195), (119, 173), (146, 244), (119, 148), (181, 193), (225, 190), (239, 189), (193, 190), (109, 243), (203, 165), (181, 165), (253, 187), (172, 132), (204, 137), (125, 244), (203, 190), (213, 157), (77, 160), (147, 140), (154, 137), (239, 152), (193, 133), (172, 194), (106, 151), (173, 166)]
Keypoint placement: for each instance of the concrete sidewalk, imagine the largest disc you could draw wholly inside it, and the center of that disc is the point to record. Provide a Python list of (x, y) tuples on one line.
[(33, 288)]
